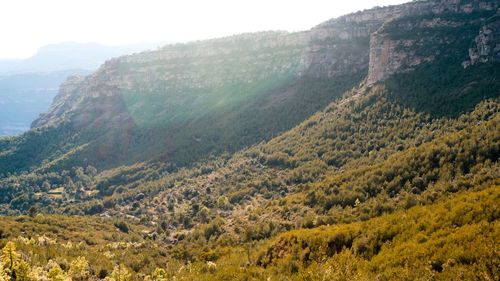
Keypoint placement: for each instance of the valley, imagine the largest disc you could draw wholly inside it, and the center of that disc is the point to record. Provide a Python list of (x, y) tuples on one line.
[(365, 148)]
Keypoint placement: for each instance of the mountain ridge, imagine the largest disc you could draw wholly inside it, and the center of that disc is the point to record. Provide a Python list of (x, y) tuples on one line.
[(369, 151), (373, 17), (67, 55), (293, 62)]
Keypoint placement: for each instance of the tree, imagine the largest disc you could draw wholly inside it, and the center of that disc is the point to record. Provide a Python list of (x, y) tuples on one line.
[(91, 170), (159, 274), (22, 271), (79, 269), (56, 273), (204, 214), (33, 211), (223, 203), (120, 273), (3, 274), (10, 258), (122, 226), (46, 186)]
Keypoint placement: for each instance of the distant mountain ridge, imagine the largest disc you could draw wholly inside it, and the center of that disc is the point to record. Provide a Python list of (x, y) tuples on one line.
[(24, 96), (68, 55), (27, 86)]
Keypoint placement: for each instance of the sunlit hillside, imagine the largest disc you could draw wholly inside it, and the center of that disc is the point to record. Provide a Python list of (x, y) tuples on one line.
[(364, 148)]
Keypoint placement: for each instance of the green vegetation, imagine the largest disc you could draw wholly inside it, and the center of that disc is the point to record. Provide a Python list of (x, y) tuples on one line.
[(454, 238), (76, 246), (232, 207), (445, 87), (185, 109), (393, 181)]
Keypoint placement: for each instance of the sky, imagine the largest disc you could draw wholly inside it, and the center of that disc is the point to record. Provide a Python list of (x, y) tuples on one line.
[(26, 25)]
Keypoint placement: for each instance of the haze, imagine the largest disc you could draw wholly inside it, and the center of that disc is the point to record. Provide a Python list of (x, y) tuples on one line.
[(30, 24)]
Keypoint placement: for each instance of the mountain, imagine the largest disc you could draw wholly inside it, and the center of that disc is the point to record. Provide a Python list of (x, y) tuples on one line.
[(184, 102), (68, 55), (28, 86), (365, 148), (24, 96)]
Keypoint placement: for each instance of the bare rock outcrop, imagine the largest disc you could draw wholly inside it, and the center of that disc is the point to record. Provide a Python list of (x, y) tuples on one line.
[(486, 46), (65, 101), (349, 44), (391, 54)]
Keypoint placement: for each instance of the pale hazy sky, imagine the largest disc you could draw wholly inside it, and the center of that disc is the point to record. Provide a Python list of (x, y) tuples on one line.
[(26, 25)]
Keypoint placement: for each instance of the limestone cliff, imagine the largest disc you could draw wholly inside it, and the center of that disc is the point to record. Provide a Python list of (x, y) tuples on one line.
[(186, 101), (341, 46), (199, 98), (65, 101), (419, 32), (486, 46)]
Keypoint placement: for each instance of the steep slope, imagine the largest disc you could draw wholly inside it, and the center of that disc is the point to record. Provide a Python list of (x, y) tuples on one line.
[(184, 102), (452, 239), (24, 96), (289, 182), (395, 179), (358, 130)]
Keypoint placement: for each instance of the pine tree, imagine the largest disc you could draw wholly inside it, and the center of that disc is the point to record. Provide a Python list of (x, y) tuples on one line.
[(159, 274), (120, 273), (56, 273), (10, 258), (79, 269), (22, 270)]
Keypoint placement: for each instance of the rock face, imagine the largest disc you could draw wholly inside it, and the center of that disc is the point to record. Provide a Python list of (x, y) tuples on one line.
[(486, 46), (210, 65), (177, 70), (66, 100), (394, 48), (341, 46), (223, 94), (205, 97), (389, 56)]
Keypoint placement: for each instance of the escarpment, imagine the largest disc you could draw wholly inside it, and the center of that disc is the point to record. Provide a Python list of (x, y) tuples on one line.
[(424, 31), (183, 102), (486, 46), (65, 101)]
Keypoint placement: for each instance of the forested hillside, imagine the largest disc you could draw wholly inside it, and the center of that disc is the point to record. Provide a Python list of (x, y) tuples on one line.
[(364, 149), (452, 239)]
